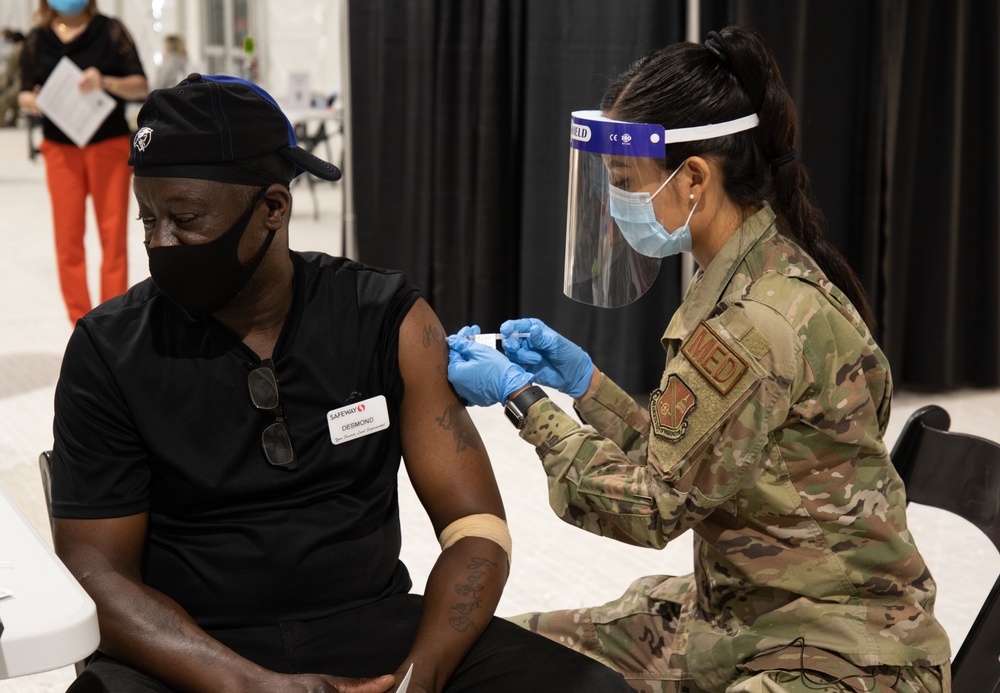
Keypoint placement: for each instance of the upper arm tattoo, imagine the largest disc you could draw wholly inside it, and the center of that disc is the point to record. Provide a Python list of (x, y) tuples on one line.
[(434, 334), (454, 418)]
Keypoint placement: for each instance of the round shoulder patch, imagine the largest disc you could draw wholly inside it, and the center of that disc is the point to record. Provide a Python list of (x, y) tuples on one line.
[(669, 407)]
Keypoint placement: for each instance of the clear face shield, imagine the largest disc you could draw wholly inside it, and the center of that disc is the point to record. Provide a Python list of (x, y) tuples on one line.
[(615, 170)]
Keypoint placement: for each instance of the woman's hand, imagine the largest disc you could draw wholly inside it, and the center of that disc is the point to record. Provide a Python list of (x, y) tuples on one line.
[(90, 80), (27, 101), (554, 360), (480, 374)]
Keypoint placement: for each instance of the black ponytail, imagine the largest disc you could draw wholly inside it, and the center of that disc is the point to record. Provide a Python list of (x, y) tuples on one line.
[(733, 74)]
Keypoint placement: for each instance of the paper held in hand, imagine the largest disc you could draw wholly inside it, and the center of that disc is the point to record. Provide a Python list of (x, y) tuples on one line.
[(406, 680), (75, 113)]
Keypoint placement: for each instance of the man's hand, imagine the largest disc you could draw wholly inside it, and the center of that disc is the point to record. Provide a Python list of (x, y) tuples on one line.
[(320, 683)]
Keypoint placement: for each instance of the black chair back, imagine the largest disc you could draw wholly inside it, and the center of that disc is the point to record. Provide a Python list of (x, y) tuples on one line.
[(45, 467), (959, 473)]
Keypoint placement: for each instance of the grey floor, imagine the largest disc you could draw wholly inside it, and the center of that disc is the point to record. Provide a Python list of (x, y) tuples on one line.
[(555, 566)]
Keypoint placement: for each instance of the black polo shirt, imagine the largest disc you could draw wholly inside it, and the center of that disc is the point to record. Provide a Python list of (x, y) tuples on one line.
[(152, 413)]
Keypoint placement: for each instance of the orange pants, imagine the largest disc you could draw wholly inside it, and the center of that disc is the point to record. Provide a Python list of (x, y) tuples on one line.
[(100, 170)]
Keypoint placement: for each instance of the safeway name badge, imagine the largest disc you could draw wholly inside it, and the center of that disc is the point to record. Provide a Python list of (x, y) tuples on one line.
[(358, 420)]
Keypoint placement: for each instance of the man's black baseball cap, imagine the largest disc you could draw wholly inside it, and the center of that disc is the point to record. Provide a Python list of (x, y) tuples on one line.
[(221, 128)]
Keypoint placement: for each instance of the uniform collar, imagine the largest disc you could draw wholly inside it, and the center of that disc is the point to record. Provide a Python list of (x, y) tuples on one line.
[(709, 284)]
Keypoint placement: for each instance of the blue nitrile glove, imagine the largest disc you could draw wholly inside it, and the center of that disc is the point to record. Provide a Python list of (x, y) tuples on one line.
[(480, 374), (554, 360)]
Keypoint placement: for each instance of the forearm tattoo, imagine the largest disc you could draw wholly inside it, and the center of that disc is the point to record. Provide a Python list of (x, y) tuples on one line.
[(454, 418), (469, 591)]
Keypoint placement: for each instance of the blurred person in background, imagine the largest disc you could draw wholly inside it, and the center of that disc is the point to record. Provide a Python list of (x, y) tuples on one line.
[(103, 48), (10, 80), (174, 67)]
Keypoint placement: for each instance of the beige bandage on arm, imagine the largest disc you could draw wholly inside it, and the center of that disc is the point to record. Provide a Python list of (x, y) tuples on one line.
[(484, 525)]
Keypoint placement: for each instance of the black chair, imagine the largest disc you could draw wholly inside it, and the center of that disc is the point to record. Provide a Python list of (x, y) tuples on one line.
[(45, 467), (34, 135), (959, 473)]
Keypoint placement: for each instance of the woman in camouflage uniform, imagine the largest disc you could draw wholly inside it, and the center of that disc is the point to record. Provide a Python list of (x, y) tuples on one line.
[(765, 435)]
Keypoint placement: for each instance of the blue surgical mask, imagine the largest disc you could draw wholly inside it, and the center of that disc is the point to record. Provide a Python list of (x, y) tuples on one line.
[(636, 219), (69, 8)]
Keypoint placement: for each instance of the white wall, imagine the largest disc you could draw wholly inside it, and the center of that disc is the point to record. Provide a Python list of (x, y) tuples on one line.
[(149, 21), (300, 35), (16, 14), (290, 35)]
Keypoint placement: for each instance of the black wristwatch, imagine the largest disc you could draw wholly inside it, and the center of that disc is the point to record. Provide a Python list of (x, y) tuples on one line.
[(517, 406)]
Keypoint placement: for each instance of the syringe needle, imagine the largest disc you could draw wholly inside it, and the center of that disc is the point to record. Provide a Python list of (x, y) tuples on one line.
[(494, 337)]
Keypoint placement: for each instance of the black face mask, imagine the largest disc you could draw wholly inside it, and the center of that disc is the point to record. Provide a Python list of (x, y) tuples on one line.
[(203, 278)]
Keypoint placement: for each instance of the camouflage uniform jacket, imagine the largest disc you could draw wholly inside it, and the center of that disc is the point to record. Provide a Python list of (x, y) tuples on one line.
[(765, 439)]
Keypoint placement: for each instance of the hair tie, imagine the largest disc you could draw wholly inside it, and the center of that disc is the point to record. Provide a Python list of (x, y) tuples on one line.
[(717, 45), (784, 158)]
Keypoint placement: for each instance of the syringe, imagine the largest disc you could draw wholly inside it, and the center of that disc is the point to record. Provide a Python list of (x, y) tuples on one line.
[(491, 338)]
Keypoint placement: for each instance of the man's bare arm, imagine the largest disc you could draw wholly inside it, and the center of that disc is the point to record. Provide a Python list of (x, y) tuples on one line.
[(451, 473)]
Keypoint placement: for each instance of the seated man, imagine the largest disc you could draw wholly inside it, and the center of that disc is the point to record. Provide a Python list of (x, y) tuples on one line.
[(227, 442)]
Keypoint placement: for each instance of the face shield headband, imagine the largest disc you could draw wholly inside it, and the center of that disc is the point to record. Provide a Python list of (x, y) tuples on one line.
[(601, 267)]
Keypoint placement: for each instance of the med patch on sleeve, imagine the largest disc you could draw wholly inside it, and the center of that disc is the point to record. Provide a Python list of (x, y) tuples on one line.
[(706, 391), (717, 362)]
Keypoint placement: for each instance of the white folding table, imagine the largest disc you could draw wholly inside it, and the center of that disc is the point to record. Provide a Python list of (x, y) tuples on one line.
[(49, 621)]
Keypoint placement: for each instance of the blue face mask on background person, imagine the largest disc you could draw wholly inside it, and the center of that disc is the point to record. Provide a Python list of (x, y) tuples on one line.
[(636, 219), (68, 7)]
